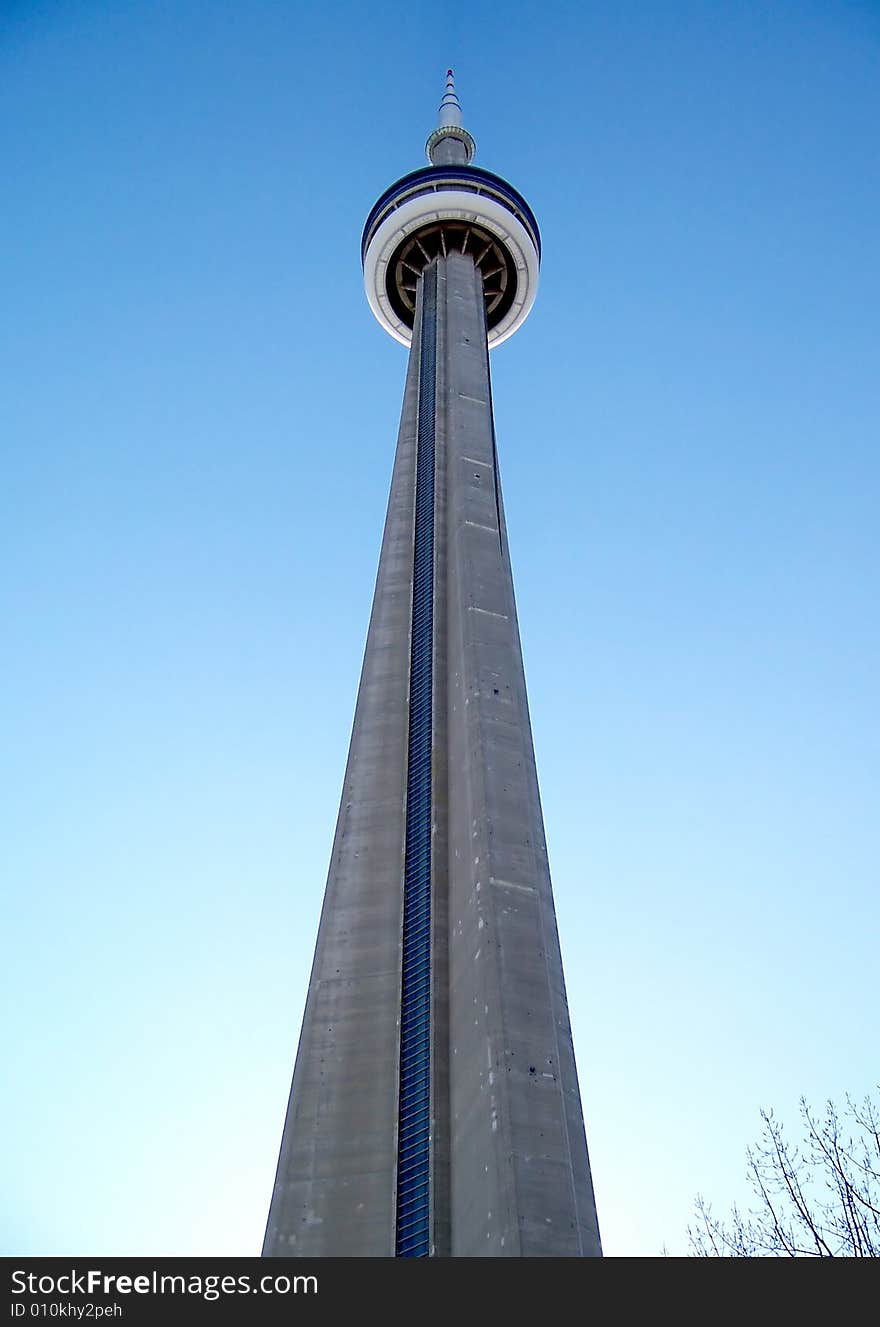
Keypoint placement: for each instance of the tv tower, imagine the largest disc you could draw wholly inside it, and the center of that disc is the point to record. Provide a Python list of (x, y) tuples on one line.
[(435, 1108)]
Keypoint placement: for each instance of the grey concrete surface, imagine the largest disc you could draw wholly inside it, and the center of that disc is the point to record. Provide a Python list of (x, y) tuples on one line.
[(510, 1171), (520, 1178)]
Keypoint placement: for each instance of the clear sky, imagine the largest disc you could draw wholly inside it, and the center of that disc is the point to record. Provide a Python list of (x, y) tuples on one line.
[(198, 415)]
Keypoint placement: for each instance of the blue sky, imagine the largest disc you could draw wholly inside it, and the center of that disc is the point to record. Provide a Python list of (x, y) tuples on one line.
[(197, 418)]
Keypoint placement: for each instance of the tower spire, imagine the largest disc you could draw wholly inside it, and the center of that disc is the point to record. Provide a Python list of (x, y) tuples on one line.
[(450, 106), (450, 144)]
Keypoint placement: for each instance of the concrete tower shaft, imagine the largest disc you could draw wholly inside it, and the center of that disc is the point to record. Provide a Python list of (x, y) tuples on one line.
[(504, 1146)]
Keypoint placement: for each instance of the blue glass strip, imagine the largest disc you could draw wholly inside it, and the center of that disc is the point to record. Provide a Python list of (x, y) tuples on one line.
[(414, 1118)]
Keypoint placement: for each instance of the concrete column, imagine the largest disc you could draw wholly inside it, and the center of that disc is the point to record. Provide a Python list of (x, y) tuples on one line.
[(508, 1159), (520, 1181)]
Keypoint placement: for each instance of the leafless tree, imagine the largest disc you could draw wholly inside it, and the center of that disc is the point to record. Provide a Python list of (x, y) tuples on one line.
[(819, 1198)]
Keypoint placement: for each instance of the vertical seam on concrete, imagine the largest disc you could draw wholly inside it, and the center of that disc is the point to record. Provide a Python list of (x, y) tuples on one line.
[(495, 478)]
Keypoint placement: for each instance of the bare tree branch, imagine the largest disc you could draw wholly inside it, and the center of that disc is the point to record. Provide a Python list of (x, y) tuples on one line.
[(818, 1201)]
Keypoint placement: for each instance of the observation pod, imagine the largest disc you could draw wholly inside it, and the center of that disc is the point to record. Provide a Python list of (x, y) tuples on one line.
[(451, 206)]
